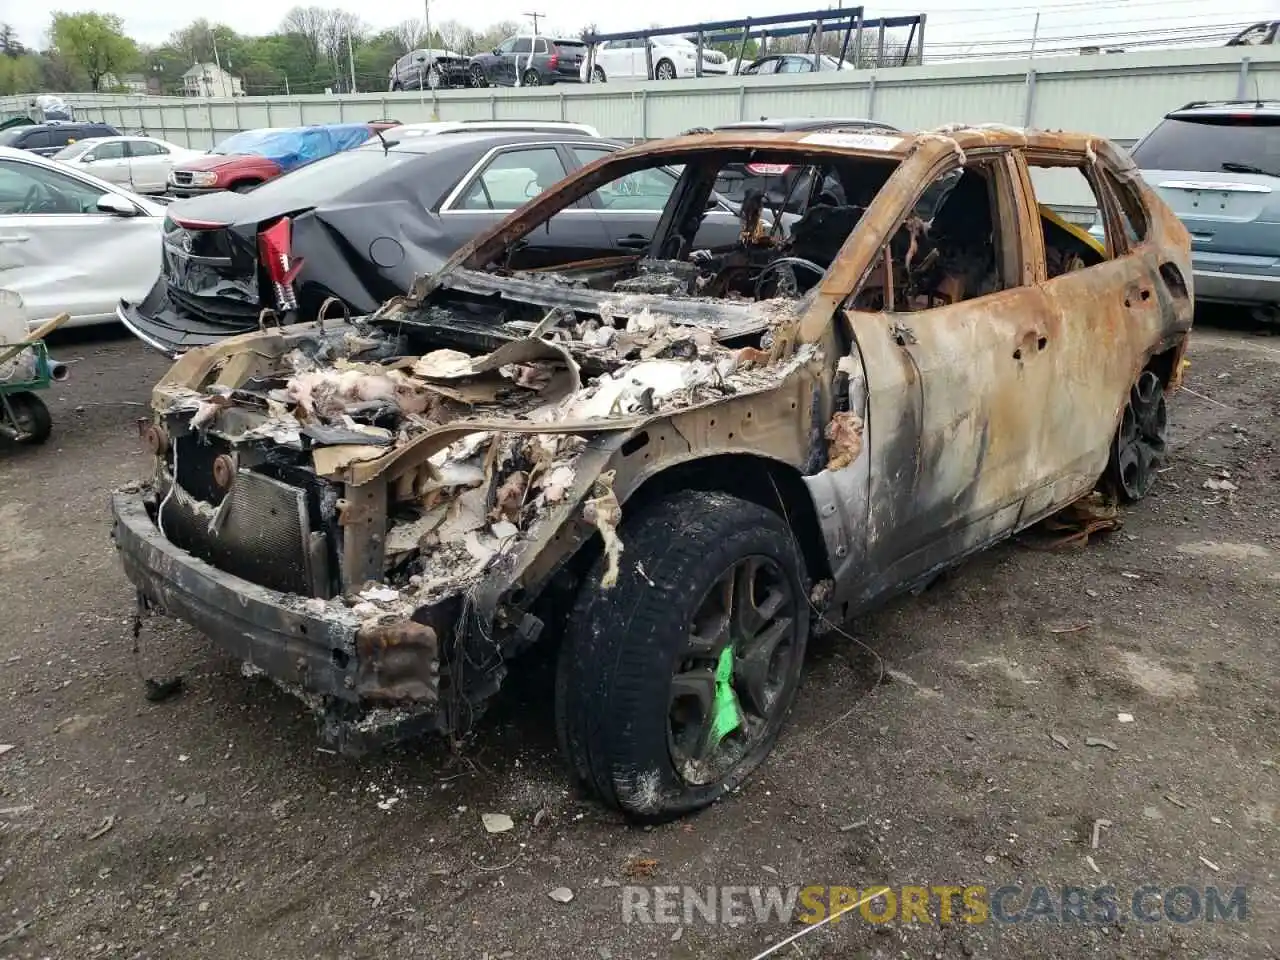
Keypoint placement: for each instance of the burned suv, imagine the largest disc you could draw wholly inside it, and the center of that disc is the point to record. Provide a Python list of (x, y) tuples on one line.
[(678, 465)]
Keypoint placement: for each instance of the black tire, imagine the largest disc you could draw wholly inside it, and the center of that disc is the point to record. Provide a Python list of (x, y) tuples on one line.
[(396, 87), (32, 418), (631, 655), (664, 70), (1140, 442), (531, 78), (597, 75), (477, 76)]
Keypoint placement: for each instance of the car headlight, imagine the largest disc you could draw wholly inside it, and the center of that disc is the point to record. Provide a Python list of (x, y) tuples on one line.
[(203, 179)]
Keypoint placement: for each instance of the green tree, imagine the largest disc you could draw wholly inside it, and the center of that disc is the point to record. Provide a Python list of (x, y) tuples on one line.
[(20, 74), (96, 41), (10, 45)]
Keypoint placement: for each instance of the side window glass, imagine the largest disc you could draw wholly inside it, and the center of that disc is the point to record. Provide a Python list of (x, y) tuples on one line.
[(513, 178), (36, 139), (507, 45), (642, 190), (27, 188), (523, 45), (542, 46), (1071, 219), (794, 65), (109, 151)]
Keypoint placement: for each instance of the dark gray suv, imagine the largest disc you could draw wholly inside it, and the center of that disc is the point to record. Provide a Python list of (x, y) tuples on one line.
[(48, 138)]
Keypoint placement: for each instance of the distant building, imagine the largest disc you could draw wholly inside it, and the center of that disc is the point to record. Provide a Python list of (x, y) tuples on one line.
[(210, 80), (133, 83)]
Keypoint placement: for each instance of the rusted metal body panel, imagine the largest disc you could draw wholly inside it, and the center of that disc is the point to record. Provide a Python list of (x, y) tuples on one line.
[(906, 437)]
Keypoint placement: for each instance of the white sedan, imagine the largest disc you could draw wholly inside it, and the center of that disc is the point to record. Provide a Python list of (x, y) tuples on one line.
[(70, 242), (140, 164), (672, 57)]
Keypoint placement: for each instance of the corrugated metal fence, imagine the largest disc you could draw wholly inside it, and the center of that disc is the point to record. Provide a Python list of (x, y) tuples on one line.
[(1115, 95)]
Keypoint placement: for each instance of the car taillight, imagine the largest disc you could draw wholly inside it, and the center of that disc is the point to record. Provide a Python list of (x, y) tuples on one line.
[(275, 245), (554, 62), (768, 169)]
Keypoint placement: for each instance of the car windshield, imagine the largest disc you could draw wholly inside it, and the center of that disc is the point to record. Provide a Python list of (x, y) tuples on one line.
[(1242, 143), (73, 150), (251, 141)]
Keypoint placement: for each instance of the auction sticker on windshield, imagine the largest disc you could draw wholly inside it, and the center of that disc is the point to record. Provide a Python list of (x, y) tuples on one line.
[(854, 141)]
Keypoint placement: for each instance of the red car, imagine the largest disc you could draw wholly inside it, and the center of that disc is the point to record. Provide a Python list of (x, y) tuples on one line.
[(247, 159)]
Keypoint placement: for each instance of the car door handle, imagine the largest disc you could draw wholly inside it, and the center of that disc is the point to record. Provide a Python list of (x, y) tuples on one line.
[(14, 237), (634, 241)]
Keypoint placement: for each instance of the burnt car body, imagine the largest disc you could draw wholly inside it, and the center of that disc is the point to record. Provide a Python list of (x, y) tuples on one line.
[(360, 225), (244, 160), (529, 61), (678, 465)]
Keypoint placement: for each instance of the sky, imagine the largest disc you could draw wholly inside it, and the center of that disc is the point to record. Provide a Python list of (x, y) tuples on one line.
[(955, 27)]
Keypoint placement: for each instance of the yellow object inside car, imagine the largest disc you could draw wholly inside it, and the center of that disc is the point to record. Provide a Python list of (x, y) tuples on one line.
[(1078, 232)]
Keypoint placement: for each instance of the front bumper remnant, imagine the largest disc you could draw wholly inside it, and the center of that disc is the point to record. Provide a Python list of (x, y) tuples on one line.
[(369, 681)]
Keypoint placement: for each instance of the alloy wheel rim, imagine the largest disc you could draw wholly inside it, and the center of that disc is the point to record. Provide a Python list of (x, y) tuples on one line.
[(1140, 442), (729, 682)]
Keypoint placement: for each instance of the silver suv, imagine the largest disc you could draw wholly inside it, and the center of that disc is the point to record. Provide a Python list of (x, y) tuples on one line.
[(1217, 165)]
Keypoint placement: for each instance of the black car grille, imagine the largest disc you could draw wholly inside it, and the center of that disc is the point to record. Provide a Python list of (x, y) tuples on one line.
[(182, 178)]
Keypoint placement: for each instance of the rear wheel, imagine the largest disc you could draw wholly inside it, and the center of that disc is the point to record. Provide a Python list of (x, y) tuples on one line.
[(531, 78), (477, 77), (1140, 442), (597, 75), (30, 418), (673, 685)]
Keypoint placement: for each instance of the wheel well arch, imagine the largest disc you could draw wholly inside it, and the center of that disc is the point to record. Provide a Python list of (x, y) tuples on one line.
[(770, 483)]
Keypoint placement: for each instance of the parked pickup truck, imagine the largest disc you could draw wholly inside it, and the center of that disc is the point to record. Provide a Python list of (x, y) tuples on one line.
[(244, 160)]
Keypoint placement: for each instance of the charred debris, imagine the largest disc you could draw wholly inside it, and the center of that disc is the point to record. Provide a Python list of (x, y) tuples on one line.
[(361, 394)]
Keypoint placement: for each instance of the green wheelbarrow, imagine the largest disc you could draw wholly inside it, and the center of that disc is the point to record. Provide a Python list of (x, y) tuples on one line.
[(25, 367)]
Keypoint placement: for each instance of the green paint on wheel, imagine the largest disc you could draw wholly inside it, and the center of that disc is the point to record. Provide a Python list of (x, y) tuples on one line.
[(726, 715)]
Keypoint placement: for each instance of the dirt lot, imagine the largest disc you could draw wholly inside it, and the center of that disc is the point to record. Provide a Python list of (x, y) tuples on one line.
[(210, 825)]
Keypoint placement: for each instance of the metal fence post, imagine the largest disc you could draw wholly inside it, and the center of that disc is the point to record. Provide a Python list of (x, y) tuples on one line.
[(493, 105), (208, 111), (742, 100), (235, 114), (871, 97), (644, 114), (563, 114), (268, 112), (1242, 81), (1028, 107), (342, 110), (302, 115), (186, 125)]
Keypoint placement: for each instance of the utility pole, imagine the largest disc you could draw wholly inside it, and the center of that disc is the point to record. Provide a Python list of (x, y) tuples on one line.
[(351, 60), (1035, 34), (535, 17)]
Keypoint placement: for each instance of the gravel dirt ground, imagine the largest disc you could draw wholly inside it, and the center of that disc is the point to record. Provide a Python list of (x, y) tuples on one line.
[(946, 746)]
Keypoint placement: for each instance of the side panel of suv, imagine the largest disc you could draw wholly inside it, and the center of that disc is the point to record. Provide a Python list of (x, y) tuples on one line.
[(46, 139), (1218, 167)]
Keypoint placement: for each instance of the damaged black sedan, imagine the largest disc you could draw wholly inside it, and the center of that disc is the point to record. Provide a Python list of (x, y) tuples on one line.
[(346, 233)]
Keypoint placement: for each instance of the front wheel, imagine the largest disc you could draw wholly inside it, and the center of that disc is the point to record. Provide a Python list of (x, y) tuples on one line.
[(597, 75), (665, 70), (1140, 442), (673, 685), (477, 77)]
